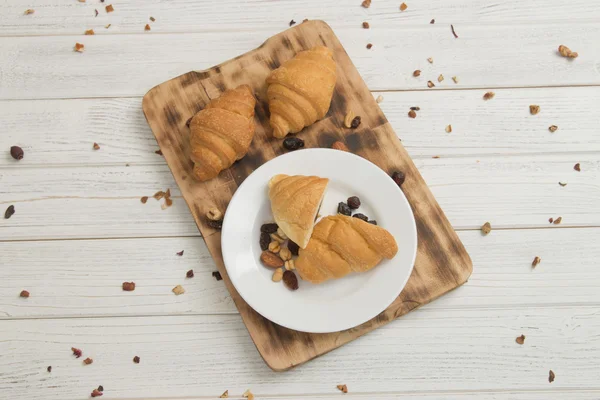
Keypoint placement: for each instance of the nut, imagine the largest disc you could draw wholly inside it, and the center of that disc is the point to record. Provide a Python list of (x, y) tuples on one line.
[(344, 388), (403, 7), (412, 114), (577, 167), (79, 47), (551, 376), (566, 52), (489, 95), (281, 234), (285, 254), (271, 260), (16, 152), (277, 275), (449, 129), (455, 79), (289, 265), (136, 359), (147, 27), (416, 73), (557, 220), (274, 247), (178, 290), (29, 11), (534, 109), (520, 339), (144, 199), (366, 3), (553, 128), (214, 214), (440, 78), (430, 84), (536, 261), (275, 237), (24, 293), (96, 393), (128, 286), (190, 273), (348, 119), (369, 45), (486, 228), (340, 146), (365, 25), (379, 99), (88, 361)]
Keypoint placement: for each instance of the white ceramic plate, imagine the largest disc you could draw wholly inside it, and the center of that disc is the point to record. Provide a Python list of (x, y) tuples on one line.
[(336, 304)]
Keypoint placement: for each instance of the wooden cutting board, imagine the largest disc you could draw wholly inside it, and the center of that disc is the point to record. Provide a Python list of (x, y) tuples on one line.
[(442, 263)]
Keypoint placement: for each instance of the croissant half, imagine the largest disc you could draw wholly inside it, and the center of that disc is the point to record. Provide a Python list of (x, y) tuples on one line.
[(340, 245), (300, 90), (221, 133), (295, 202)]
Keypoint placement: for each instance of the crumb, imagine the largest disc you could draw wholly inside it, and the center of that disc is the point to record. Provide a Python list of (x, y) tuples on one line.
[(178, 290), (430, 60), (453, 32), (551, 376), (536, 261), (343, 388), (365, 25), (563, 184), (96, 146), (430, 84), (403, 7), (369, 45), (224, 395), (379, 99), (486, 228), (520, 339), (566, 52), (79, 47), (440, 78), (557, 220), (136, 359), (110, 8), (436, 157), (180, 253), (553, 128), (90, 32), (76, 352), (489, 95), (96, 13), (248, 394), (107, 26)]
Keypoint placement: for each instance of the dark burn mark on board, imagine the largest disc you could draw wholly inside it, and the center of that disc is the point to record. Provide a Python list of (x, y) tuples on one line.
[(437, 256), (322, 39), (217, 69), (380, 120), (172, 115), (237, 75), (219, 85), (338, 105), (287, 43), (260, 111), (302, 43), (191, 78), (244, 167), (362, 140), (326, 139)]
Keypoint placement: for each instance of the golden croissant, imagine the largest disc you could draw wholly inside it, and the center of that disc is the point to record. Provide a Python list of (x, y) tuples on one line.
[(221, 133), (300, 90), (340, 245), (295, 202)]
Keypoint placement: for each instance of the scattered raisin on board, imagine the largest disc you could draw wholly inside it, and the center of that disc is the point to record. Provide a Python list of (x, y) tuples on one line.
[(293, 143)]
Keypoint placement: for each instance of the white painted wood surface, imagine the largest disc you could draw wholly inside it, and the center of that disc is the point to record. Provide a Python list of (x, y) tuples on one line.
[(80, 229)]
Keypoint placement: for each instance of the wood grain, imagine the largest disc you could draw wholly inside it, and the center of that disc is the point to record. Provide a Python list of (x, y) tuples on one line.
[(485, 56), (54, 17), (61, 132), (442, 262), (83, 278), (441, 350)]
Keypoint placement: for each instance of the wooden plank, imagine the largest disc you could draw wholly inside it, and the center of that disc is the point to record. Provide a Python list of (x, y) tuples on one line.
[(91, 202), (441, 263), (61, 132), (83, 278), (484, 56), (549, 394), (54, 17), (443, 350)]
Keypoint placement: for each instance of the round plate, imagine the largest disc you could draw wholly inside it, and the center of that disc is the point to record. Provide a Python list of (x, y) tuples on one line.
[(336, 304)]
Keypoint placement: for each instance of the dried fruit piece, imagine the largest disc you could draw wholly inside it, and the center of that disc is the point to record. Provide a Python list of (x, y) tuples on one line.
[(159, 195), (566, 52), (292, 23), (128, 286), (432, 21), (180, 253), (110, 8), (344, 209), (152, 19), (271, 260), (430, 84), (293, 247), (89, 32), (372, 222), (290, 280), (10, 211), (536, 261), (520, 339), (489, 95), (399, 177), (563, 184), (144, 199), (416, 73), (24, 293), (224, 395), (96, 393), (455, 79), (412, 114), (289, 265), (343, 388), (79, 47), (101, 388), (449, 129), (136, 359), (265, 239), (214, 214), (189, 274), (147, 27), (486, 228), (269, 228), (553, 128), (293, 143), (440, 78), (361, 216), (557, 220), (366, 3), (551, 376), (551, 220), (16, 152), (403, 7), (353, 202), (29, 11), (88, 361), (96, 146), (217, 275), (534, 109), (577, 167), (416, 108), (340, 146), (215, 224), (49, 369), (355, 122), (369, 45), (379, 99), (365, 25), (285, 254), (178, 290), (430, 59), (277, 275), (76, 352)]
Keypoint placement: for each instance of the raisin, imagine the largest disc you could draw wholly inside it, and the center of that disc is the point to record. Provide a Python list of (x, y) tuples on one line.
[(214, 224), (16, 152), (361, 216), (293, 247), (399, 177), (293, 143), (269, 228), (265, 239), (9, 212), (353, 202), (217, 275), (290, 280), (190, 273), (344, 209), (355, 122), (373, 222)]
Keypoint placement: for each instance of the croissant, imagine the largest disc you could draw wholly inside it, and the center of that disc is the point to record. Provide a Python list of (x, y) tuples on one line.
[(300, 90), (295, 202), (340, 245), (221, 133)]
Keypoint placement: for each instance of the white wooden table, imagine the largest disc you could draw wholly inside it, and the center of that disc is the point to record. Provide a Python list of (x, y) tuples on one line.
[(80, 229)]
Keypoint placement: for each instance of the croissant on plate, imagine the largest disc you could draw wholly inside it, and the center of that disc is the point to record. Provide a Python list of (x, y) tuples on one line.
[(340, 245), (295, 202), (300, 90), (221, 133)]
